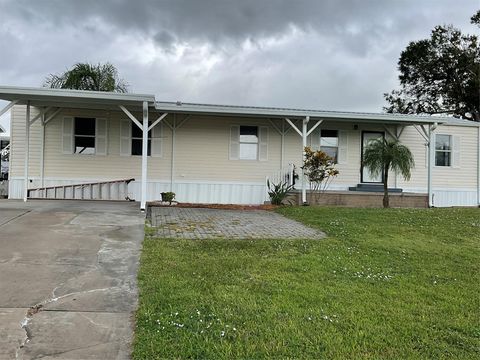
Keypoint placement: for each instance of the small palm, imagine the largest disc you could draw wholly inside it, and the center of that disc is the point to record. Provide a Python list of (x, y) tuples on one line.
[(83, 76), (383, 155)]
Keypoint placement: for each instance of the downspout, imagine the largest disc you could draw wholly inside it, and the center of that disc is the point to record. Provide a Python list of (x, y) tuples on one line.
[(304, 145), (27, 151)]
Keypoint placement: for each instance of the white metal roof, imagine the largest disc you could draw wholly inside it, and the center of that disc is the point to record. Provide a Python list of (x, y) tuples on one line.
[(72, 98), (110, 100), (273, 112)]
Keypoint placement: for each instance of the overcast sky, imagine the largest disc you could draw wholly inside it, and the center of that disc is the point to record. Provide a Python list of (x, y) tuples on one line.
[(319, 54)]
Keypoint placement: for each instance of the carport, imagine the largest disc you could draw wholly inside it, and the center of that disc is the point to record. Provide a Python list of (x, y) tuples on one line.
[(53, 101)]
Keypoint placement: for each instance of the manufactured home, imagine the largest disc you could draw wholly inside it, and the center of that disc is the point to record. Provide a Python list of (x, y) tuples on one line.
[(137, 147)]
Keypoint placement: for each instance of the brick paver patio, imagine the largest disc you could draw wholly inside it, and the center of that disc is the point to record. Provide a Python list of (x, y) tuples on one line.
[(198, 223)]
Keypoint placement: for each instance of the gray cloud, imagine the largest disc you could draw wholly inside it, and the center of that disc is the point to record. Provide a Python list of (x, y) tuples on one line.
[(317, 54)]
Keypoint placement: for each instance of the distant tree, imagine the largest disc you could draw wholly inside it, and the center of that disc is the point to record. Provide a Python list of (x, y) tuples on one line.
[(83, 76), (440, 75), (383, 155)]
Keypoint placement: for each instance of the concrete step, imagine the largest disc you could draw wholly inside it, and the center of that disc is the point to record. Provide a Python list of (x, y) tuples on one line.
[(373, 188)]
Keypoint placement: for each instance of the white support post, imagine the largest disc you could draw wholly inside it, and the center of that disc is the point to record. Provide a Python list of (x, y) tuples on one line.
[(478, 166), (42, 150), (172, 160), (282, 149), (431, 157), (144, 155), (304, 144), (27, 151)]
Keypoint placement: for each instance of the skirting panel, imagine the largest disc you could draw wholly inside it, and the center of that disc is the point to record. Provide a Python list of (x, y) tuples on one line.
[(192, 192), (229, 193)]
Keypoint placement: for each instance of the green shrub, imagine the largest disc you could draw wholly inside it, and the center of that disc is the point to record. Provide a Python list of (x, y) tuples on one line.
[(168, 196), (278, 192)]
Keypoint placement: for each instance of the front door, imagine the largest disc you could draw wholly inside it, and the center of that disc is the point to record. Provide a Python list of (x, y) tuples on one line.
[(366, 175)]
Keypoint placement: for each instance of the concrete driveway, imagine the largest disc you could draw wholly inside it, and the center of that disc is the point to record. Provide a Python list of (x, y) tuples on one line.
[(68, 278)]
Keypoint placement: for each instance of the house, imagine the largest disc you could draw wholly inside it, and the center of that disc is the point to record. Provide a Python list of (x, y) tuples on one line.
[(216, 153)]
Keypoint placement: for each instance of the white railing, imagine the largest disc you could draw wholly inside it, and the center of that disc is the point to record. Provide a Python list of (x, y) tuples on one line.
[(5, 151)]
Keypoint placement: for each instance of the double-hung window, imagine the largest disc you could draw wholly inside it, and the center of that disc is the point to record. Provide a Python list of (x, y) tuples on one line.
[(329, 143), (443, 150), (84, 136), (248, 142), (137, 135)]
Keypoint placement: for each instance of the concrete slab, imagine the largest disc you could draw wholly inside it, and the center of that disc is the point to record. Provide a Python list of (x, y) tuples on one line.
[(75, 263)]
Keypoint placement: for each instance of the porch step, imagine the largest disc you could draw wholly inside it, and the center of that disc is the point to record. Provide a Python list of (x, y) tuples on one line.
[(101, 190), (373, 188)]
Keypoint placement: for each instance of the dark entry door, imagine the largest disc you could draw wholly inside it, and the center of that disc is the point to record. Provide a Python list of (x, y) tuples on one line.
[(366, 175)]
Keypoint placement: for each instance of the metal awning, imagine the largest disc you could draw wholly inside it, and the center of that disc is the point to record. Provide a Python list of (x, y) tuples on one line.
[(281, 113), (63, 98)]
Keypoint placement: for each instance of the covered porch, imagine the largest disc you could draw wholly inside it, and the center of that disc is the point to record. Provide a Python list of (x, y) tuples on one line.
[(145, 113)]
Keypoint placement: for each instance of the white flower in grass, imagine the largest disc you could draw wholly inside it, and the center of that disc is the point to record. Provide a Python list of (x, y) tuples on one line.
[(222, 334)]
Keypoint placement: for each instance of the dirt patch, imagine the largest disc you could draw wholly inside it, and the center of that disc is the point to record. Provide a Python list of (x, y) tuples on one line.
[(214, 206)]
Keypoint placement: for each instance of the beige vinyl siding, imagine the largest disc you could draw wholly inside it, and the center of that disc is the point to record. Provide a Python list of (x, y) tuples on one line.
[(17, 132), (202, 152), (463, 176), (78, 166)]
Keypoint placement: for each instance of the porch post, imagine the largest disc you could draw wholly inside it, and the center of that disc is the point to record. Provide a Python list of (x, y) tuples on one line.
[(27, 151), (144, 155), (42, 150), (431, 158), (304, 144)]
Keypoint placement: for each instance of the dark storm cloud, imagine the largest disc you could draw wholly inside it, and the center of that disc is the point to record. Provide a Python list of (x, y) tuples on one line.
[(332, 54)]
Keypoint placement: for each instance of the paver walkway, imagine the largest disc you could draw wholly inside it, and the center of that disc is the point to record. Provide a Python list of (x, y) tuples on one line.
[(198, 223)]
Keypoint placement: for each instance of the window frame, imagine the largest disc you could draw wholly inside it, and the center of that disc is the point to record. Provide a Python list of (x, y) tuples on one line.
[(149, 139), (449, 151), (332, 147), (240, 143), (75, 135)]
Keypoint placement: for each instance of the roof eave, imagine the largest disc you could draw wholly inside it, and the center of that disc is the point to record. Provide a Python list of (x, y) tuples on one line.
[(295, 114)]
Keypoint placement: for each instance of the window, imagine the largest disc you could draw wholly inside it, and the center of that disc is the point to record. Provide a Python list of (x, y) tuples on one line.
[(84, 136), (248, 142), (443, 150), (329, 143), (137, 136)]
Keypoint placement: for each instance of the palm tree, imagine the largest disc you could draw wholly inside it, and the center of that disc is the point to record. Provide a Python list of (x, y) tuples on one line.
[(383, 155), (84, 76)]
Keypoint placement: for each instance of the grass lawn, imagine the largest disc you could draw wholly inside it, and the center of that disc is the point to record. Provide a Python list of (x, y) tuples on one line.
[(396, 283)]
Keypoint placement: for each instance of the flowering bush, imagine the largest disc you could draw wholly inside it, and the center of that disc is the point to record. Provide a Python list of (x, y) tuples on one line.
[(319, 169)]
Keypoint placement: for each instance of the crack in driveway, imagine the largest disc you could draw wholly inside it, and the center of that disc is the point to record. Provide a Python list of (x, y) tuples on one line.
[(101, 243)]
